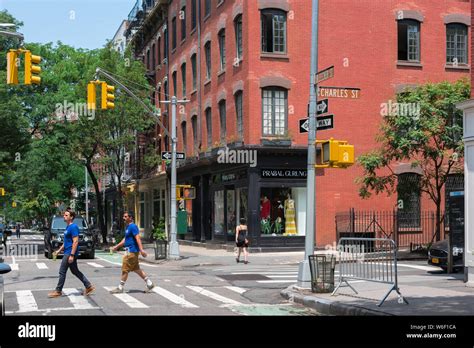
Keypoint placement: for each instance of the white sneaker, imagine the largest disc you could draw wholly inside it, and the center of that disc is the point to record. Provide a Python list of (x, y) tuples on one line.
[(116, 291), (149, 287)]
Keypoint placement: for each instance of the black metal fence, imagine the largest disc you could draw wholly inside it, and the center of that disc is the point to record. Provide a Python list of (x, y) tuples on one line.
[(406, 229)]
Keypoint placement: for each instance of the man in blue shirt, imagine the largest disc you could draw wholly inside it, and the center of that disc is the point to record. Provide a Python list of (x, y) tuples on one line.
[(70, 245), (133, 247)]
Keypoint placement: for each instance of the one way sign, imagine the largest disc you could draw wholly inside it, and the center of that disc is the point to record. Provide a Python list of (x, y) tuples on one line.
[(322, 123), (322, 107), (166, 155)]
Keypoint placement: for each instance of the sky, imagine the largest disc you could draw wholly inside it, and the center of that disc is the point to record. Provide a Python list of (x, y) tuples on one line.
[(78, 23)]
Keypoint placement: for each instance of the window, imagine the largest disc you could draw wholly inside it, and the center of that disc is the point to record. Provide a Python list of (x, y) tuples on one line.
[(207, 50), (193, 14), (167, 92), (238, 36), (148, 59), (182, 17), (142, 209), (183, 78), (209, 127), (175, 83), (409, 208), (194, 68), (185, 143), (159, 51), (207, 8), (222, 48), (222, 116), (275, 105), (456, 43), (409, 40), (195, 137), (239, 114), (153, 57), (273, 31), (165, 34), (173, 28), (159, 97), (158, 205)]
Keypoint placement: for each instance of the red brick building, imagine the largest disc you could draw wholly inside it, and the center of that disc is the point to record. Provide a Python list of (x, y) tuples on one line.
[(244, 66)]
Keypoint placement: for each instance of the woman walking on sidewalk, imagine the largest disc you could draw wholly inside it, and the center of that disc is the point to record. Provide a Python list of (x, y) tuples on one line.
[(241, 240)]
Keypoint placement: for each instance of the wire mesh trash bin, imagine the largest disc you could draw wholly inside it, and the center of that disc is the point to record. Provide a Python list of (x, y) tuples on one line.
[(161, 249), (322, 272)]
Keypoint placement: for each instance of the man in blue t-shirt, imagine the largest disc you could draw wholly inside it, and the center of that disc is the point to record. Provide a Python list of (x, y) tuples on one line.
[(70, 246), (133, 247)]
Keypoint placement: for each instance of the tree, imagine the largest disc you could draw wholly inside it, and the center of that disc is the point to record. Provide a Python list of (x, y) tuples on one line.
[(424, 129)]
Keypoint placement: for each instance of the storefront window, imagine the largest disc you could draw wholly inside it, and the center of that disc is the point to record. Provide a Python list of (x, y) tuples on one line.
[(142, 209), (283, 211), (242, 204), (231, 212), (158, 204), (219, 212)]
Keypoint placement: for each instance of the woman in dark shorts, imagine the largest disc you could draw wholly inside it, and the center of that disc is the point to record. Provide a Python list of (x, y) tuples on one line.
[(241, 239)]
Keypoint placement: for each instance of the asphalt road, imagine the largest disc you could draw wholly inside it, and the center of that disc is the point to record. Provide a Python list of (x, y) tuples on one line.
[(217, 287)]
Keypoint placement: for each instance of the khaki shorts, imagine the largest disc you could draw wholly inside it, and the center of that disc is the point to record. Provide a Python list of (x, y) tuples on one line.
[(130, 263)]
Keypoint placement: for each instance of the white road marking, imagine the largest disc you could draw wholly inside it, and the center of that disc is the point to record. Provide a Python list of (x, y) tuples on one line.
[(166, 280), (120, 264), (423, 268), (275, 281), (96, 265), (173, 298), (78, 300), (127, 299), (265, 273), (236, 289), (26, 301), (14, 266), (213, 295), (220, 279), (41, 265), (283, 276)]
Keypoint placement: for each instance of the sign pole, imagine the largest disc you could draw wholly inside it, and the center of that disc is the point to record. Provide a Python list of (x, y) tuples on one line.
[(304, 274)]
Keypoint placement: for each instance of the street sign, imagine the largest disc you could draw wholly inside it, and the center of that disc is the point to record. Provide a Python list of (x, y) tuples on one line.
[(339, 92), (166, 155), (324, 75), (322, 123), (322, 107)]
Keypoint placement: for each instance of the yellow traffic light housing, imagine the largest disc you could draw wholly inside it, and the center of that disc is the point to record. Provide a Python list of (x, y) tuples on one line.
[(335, 154), (14, 204), (108, 96), (2, 191), (185, 192), (32, 70), (91, 96), (12, 67)]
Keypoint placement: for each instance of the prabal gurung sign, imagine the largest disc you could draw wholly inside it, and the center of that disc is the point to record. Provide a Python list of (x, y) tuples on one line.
[(284, 173)]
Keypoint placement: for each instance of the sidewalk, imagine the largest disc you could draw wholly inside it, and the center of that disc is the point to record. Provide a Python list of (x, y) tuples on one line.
[(428, 294)]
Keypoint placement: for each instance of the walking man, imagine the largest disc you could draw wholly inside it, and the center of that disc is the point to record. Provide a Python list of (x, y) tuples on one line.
[(133, 247), (70, 246)]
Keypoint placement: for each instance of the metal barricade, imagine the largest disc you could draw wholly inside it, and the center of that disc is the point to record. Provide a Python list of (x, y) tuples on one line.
[(322, 272), (369, 259)]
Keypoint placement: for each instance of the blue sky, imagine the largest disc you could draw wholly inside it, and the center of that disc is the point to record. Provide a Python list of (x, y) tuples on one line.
[(79, 23)]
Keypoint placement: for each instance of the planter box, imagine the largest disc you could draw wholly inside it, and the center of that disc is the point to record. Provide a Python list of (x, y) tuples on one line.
[(161, 249)]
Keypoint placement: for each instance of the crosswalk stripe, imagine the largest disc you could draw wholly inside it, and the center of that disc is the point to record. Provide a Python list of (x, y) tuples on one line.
[(26, 301), (236, 289), (173, 298), (265, 273), (275, 281), (283, 276), (77, 299), (96, 265), (41, 265), (127, 299), (213, 295)]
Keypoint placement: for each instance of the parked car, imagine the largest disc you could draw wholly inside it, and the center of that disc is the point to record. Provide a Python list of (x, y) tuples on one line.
[(4, 268), (53, 237), (438, 256)]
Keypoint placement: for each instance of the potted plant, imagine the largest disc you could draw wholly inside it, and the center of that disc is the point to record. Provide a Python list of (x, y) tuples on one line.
[(161, 242)]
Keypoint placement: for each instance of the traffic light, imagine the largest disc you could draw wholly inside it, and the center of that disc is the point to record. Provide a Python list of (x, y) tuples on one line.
[(107, 96), (14, 204), (335, 154), (91, 96), (185, 192), (2, 191), (32, 70), (12, 67)]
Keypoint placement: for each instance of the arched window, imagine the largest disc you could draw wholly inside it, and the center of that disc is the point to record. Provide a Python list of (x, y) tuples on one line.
[(273, 24), (274, 111), (409, 196), (409, 40), (456, 43)]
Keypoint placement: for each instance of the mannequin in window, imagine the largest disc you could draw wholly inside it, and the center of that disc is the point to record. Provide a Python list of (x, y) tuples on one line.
[(265, 208), (290, 223)]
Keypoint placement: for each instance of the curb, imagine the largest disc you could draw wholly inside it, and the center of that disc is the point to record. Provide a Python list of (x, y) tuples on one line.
[(328, 307)]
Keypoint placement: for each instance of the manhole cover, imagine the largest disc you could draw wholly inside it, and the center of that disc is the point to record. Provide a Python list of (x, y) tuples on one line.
[(243, 277)]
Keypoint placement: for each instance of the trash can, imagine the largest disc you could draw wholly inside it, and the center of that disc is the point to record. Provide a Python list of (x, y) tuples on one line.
[(322, 272), (161, 249)]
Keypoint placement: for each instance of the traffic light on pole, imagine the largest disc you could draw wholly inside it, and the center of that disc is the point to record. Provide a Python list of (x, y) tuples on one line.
[(91, 96), (335, 154), (31, 69), (108, 96), (2, 191), (12, 67)]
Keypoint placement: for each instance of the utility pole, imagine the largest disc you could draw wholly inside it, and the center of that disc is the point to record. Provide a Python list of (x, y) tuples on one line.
[(174, 247), (304, 274)]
